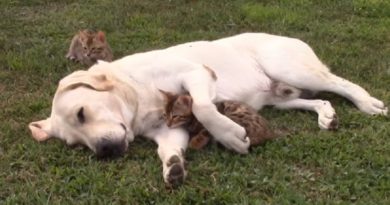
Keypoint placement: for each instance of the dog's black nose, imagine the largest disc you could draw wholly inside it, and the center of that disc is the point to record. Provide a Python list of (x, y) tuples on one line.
[(110, 148)]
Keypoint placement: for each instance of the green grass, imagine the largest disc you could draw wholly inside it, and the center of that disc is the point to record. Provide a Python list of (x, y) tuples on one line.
[(309, 166)]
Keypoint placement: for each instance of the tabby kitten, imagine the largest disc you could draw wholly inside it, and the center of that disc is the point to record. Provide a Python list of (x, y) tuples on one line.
[(178, 112), (88, 46)]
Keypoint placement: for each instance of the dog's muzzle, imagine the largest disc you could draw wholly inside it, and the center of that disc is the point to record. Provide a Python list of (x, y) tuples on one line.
[(110, 148)]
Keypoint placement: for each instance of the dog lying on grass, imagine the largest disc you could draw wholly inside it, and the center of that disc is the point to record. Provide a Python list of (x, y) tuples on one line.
[(106, 106)]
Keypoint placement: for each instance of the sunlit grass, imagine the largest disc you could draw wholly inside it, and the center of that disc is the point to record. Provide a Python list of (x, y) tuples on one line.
[(350, 165)]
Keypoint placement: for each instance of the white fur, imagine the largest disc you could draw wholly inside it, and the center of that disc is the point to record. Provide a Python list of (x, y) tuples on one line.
[(245, 66)]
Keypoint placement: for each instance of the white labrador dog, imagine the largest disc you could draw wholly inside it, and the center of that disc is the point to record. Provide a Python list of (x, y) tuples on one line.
[(106, 106)]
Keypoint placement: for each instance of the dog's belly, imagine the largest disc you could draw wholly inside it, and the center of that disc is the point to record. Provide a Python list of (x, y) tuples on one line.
[(239, 76)]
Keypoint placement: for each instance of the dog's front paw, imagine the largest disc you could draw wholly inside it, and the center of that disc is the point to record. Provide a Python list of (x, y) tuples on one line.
[(175, 172), (373, 106), (235, 139)]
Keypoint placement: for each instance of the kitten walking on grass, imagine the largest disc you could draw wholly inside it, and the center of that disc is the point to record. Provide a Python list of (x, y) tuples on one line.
[(88, 46)]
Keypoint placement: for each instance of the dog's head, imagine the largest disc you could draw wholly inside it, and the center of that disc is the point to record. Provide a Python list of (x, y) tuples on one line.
[(93, 108)]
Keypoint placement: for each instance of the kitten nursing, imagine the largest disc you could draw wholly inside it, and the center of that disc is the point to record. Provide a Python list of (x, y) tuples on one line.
[(88, 46), (178, 112)]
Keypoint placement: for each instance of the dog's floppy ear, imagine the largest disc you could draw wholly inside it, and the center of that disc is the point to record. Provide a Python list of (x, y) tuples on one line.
[(95, 80), (41, 130)]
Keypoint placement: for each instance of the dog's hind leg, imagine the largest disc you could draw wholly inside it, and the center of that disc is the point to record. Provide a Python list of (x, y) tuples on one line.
[(326, 81), (317, 77), (359, 96), (172, 144), (293, 62)]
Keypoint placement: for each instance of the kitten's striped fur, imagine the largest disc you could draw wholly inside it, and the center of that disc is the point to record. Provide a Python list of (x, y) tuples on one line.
[(178, 112)]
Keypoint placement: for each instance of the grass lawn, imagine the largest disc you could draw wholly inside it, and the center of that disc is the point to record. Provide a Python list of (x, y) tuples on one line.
[(309, 166)]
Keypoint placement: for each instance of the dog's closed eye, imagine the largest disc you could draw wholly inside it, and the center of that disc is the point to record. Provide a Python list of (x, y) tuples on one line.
[(80, 115)]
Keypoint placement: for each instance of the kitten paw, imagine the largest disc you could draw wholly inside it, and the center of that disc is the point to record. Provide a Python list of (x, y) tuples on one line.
[(70, 57), (199, 141)]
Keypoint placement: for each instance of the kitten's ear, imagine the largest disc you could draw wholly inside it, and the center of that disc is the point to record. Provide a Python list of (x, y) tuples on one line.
[(101, 36), (82, 33), (167, 95), (185, 100)]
